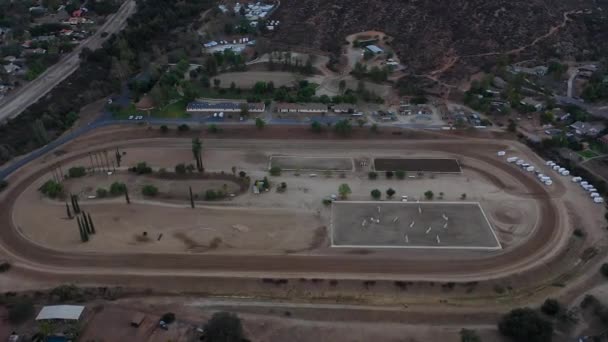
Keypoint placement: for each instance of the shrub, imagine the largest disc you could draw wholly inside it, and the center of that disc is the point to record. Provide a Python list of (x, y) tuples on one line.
[(101, 193), (376, 194), (390, 193), (429, 195), (183, 128), (224, 326), (149, 190), (467, 335), (20, 310), (550, 307), (578, 232), (604, 269), (180, 169), (389, 174), (118, 188), (326, 201), (372, 175), (4, 267), (141, 168), (400, 174), (213, 129), (525, 324), (316, 127), (52, 189), (275, 171), (77, 171), (164, 129), (168, 317), (211, 195), (242, 174), (463, 197)]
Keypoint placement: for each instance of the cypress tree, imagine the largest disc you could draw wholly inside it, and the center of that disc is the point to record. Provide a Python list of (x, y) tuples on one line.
[(127, 195), (75, 204), (85, 223), (191, 198), (118, 157), (67, 207), (83, 237), (91, 223)]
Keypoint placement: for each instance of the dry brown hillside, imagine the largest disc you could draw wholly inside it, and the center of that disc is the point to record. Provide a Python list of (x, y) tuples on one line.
[(427, 31)]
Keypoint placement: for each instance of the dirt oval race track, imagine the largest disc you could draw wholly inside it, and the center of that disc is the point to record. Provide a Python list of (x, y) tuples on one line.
[(413, 265)]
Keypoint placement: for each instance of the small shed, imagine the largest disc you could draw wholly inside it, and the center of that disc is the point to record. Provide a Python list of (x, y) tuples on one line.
[(137, 319)]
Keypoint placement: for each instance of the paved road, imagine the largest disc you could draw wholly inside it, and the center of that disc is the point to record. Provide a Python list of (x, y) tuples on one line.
[(16, 103), (571, 82)]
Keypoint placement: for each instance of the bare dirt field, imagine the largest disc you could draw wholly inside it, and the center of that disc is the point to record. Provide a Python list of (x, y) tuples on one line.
[(417, 165), (598, 166), (292, 163), (458, 225)]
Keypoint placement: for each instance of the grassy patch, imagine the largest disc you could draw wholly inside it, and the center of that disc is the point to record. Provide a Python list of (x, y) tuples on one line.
[(124, 112), (587, 154), (175, 110)]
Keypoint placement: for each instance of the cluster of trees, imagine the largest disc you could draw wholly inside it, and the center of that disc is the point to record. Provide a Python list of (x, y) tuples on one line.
[(285, 61), (149, 190), (597, 87), (375, 74), (376, 194), (399, 174), (141, 168), (77, 172), (213, 195)]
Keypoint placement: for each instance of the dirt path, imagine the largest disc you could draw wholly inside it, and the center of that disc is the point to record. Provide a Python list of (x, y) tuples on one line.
[(449, 62)]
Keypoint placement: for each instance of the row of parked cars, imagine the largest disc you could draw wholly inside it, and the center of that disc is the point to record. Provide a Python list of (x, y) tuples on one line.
[(593, 193), (597, 198)]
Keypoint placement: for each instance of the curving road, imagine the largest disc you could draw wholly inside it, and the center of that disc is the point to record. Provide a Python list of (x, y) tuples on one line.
[(407, 265), (16, 103)]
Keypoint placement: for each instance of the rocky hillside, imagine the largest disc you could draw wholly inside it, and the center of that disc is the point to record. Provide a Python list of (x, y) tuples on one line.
[(427, 31)]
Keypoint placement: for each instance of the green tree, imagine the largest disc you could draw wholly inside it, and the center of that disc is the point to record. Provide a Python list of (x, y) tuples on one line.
[(259, 123), (376, 194), (40, 133), (390, 193), (525, 324), (118, 188), (344, 191), (467, 335), (604, 269), (197, 148), (149, 190), (550, 307), (244, 109), (400, 174), (316, 127), (52, 189), (20, 310), (429, 195), (77, 171), (224, 327), (372, 175), (180, 169), (343, 127), (275, 171)]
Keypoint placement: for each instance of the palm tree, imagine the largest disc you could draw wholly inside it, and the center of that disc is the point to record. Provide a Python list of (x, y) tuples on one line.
[(197, 148)]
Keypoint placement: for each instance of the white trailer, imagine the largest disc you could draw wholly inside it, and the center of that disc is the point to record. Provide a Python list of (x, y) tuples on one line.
[(548, 182), (512, 159), (594, 195), (584, 182), (550, 163), (565, 173), (520, 162), (501, 153), (530, 168), (556, 167), (598, 200), (576, 179)]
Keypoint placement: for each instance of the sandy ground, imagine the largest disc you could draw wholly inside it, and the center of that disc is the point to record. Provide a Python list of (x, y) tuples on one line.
[(267, 322), (269, 223)]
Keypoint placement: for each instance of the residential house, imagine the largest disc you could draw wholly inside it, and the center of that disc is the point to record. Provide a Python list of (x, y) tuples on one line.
[(590, 129), (603, 139), (301, 108), (229, 107), (538, 105), (11, 68)]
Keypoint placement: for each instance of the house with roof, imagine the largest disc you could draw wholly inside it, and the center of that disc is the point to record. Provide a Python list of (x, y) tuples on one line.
[(590, 129), (374, 49), (228, 107), (603, 139), (301, 108)]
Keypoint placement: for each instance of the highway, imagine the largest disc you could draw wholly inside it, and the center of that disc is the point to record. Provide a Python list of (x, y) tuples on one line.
[(22, 98)]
